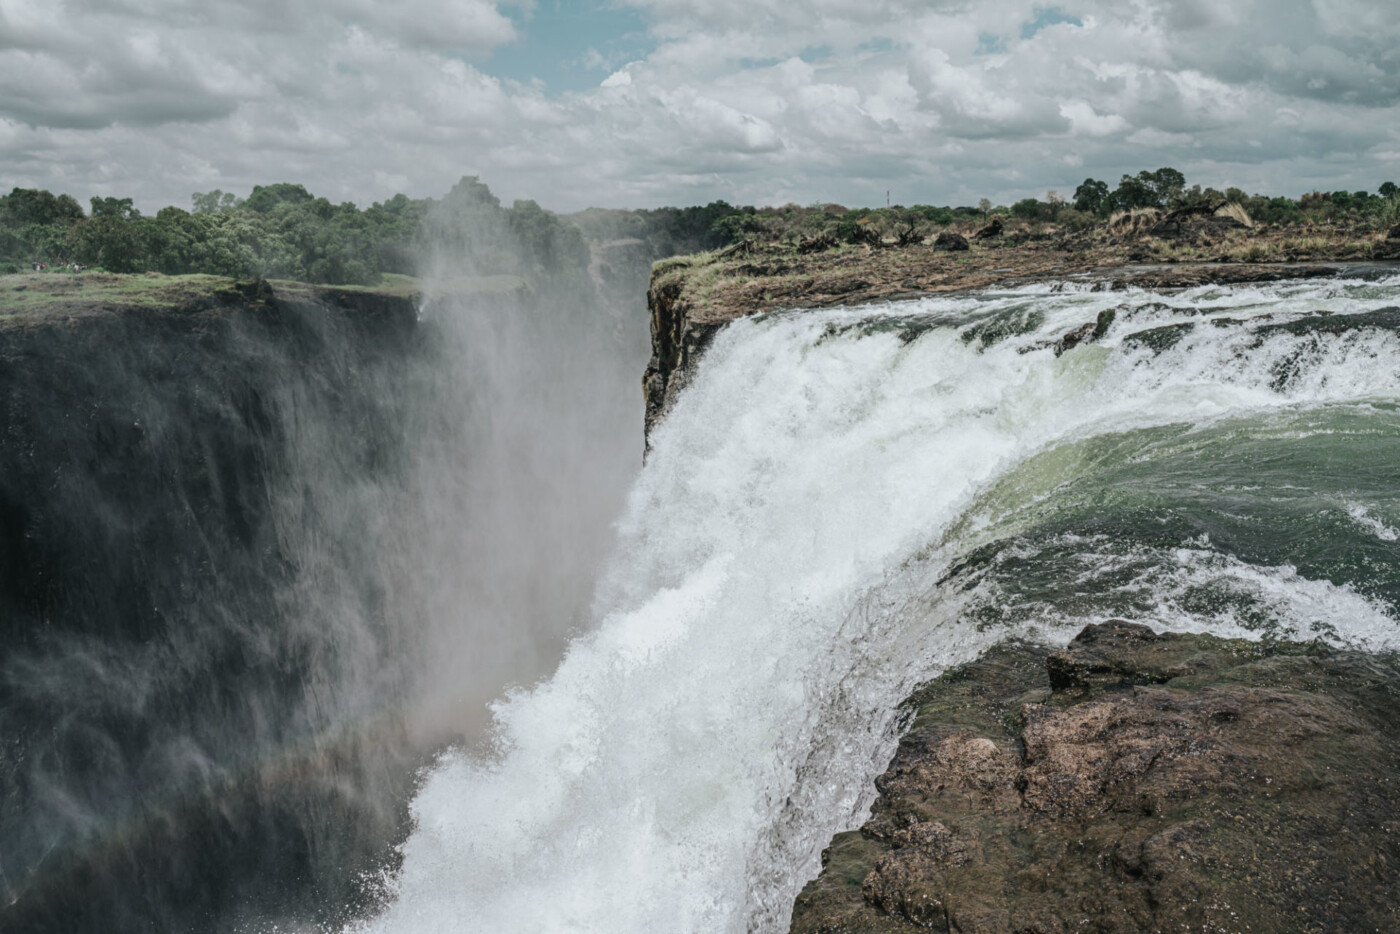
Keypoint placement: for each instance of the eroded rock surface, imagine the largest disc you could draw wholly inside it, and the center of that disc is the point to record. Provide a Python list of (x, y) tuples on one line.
[(1133, 782)]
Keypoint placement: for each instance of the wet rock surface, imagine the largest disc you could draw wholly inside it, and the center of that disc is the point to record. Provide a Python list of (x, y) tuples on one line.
[(1133, 782), (170, 687)]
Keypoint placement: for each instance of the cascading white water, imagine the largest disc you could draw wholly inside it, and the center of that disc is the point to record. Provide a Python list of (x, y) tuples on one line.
[(777, 590)]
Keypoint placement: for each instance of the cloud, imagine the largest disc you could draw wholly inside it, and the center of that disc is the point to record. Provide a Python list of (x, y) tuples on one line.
[(749, 100)]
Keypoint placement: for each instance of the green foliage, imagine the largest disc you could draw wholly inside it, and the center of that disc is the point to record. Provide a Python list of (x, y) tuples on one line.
[(283, 230), (1092, 197), (25, 206), (1033, 209), (214, 201), (120, 208), (267, 198), (735, 227), (106, 240)]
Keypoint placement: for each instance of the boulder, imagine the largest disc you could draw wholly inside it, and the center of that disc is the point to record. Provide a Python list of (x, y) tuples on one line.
[(1133, 781), (993, 229), (818, 244), (1394, 233), (947, 240)]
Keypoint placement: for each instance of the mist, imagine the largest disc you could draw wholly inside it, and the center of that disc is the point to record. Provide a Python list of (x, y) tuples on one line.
[(530, 435), (262, 565)]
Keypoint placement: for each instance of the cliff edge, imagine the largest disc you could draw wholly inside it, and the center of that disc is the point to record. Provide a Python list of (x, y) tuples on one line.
[(690, 298)]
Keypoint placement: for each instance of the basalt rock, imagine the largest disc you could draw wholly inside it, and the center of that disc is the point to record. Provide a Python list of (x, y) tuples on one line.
[(166, 757), (952, 242), (994, 229), (1194, 228), (1133, 781), (679, 336)]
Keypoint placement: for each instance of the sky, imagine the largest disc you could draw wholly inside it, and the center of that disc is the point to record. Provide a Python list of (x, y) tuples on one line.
[(639, 103)]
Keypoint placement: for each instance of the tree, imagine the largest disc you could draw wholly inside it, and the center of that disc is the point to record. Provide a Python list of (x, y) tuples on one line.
[(735, 227), (120, 208), (1389, 190), (1030, 209), (1163, 188), (1168, 185), (24, 206), (213, 202), (1135, 192), (552, 246), (107, 240), (1092, 197), (266, 198)]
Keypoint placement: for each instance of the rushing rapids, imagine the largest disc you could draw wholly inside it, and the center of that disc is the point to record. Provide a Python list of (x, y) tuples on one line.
[(845, 502)]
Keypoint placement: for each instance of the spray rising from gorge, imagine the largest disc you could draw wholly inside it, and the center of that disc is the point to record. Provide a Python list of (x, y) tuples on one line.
[(844, 503), (268, 550)]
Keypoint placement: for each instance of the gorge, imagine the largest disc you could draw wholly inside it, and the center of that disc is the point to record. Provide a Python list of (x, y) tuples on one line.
[(841, 504), (269, 549)]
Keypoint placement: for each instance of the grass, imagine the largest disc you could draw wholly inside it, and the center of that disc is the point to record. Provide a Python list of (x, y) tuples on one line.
[(1304, 245), (665, 270), (1236, 211), (33, 292)]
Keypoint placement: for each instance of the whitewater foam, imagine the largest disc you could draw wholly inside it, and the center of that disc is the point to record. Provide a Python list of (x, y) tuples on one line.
[(777, 592)]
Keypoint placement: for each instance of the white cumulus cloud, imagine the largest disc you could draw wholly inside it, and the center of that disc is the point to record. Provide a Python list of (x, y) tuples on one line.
[(748, 100)]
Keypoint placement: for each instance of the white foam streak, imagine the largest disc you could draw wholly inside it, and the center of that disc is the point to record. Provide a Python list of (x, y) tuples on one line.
[(1362, 517), (682, 769)]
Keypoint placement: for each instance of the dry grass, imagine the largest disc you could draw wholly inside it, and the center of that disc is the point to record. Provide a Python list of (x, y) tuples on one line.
[(1236, 211), (1134, 221), (1304, 246)]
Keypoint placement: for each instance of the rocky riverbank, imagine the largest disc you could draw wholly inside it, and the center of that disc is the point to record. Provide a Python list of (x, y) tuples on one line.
[(1134, 781)]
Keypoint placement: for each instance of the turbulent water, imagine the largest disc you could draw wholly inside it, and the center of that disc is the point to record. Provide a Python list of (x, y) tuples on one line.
[(842, 504)]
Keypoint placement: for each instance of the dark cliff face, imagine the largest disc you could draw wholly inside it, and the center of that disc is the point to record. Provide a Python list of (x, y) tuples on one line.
[(1133, 782), (197, 680), (677, 342)]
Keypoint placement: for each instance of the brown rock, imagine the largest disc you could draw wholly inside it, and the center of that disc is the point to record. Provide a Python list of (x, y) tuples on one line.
[(947, 240), (994, 229), (1165, 782)]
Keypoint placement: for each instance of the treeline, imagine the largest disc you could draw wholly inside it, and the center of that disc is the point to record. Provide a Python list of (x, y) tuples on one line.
[(670, 231), (1166, 189), (283, 231)]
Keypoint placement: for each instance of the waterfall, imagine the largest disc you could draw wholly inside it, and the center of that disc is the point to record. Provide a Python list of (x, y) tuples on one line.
[(842, 504)]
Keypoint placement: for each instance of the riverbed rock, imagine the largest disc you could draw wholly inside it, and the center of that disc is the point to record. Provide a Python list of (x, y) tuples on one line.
[(994, 229), (1134, 781), (951, 242)]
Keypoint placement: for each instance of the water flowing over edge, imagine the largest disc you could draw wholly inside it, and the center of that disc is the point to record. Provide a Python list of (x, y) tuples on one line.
[(846, 502)]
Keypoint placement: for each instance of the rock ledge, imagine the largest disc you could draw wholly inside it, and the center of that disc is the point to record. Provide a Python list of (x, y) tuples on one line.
[(1133, 782)]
